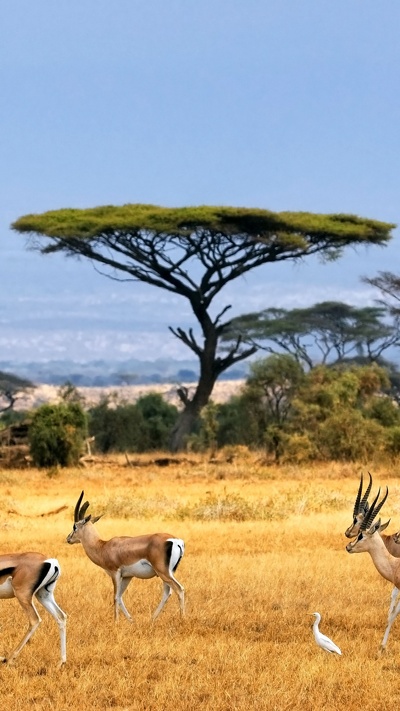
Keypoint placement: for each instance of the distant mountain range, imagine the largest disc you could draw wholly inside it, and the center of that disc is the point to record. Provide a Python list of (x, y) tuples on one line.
[(103, 373)]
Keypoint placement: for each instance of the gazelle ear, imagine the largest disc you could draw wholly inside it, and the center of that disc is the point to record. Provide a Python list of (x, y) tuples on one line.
[(383, 526), (87, 518), (96, 518), (375, 527)]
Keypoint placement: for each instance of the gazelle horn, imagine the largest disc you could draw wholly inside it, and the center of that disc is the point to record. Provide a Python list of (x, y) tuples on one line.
[(373, 511), (77, 507), (364, 501), (80, 511)]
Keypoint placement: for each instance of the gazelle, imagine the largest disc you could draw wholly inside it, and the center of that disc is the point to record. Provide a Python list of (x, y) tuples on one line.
[(124, 558), (387, 565), (360, 510), (29, 575)]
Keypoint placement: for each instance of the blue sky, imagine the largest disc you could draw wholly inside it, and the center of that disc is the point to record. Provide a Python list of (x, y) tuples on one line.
[(283, 105)]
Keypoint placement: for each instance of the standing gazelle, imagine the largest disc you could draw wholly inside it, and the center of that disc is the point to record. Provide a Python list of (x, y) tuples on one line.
[(387, 565), (124, 558), (392, 543), (29, 575)]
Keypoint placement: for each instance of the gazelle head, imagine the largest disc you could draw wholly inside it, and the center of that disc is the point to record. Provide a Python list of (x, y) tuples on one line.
[(367, 528), (361, 508), (80, 520)]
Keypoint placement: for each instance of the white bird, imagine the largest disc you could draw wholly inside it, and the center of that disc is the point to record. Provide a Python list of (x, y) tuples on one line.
[(322, 640)]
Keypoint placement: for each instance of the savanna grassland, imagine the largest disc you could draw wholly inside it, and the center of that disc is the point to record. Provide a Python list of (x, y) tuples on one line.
[(264, 548)]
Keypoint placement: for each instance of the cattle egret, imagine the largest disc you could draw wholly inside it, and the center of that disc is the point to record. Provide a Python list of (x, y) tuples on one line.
[(321, 639)]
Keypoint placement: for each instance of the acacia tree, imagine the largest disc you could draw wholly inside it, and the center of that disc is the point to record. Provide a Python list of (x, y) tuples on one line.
[(328, 332), (389, 285), (194, 252), (11, 388)]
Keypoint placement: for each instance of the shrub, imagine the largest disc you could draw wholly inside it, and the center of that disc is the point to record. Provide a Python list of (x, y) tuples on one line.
[(348, 436), (139, 427), (57, 434), (393, 441)]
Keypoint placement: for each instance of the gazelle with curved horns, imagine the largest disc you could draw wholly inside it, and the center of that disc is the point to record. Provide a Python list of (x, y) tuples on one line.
[(370, 541), (26, 576), (125, 557), (360, 510)]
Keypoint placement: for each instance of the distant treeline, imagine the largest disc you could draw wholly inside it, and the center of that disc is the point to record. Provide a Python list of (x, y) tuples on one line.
[(345, 412)]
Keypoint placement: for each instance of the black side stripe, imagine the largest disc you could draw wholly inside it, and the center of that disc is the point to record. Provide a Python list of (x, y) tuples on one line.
[(6, 571), (168, 553), (44, 571), (179, 559), (42, 574)]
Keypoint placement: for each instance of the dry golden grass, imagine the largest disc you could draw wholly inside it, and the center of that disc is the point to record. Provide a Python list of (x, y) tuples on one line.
[(251, 581)]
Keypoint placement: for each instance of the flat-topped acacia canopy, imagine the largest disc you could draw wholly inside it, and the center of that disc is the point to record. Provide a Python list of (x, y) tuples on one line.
[(294, 229), (159, 245)]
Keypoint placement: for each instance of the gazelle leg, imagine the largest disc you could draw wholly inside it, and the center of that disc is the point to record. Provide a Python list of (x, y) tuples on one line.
[(393, 612), (166, 593), (46, 598), (120, 585), (34, 622), (177, 588)]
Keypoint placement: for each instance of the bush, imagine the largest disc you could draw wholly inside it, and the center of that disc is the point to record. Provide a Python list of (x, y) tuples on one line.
[(348, 436), (57, 434), (117, 429), (393, 441), (139, 427)]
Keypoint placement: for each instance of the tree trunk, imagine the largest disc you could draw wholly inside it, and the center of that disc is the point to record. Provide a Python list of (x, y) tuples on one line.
[(191, 411)]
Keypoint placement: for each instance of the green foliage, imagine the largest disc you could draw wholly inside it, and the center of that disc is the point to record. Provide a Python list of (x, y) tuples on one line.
[(328, 413), (139, 427), (347, 435), (287, 228), (393, 441), (159, 417), (273, 381), (206, 437), (384, 411), (235, 423), (57, 434), (12, 417), (116, 428), (327, 332)]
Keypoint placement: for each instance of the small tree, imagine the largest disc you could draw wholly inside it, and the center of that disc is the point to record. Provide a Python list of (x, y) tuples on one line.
[(11, 388), (57, 434)]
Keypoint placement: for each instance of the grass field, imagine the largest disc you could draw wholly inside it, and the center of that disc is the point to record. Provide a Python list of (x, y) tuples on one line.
[(264, 549)]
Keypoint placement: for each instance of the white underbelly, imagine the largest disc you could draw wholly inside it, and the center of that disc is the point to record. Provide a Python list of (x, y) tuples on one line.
[(6, 589), (141, 569)]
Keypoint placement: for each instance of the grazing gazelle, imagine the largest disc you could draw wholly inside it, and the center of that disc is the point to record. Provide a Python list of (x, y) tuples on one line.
[(370, 540), (124, 558), (360, 510), (29, 575)]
